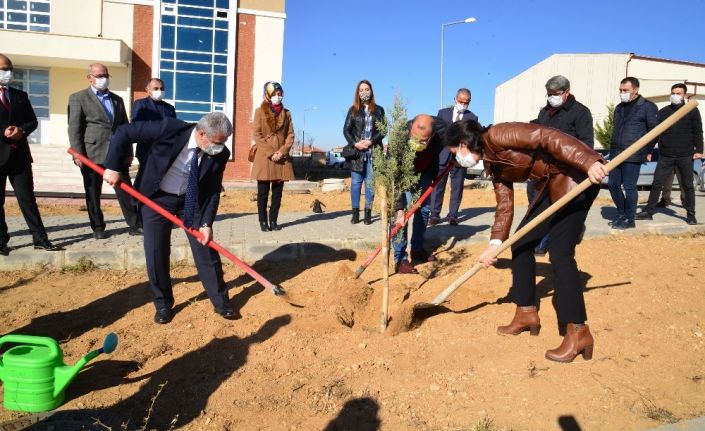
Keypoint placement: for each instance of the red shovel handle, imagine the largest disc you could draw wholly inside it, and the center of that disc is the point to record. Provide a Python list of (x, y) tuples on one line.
[(407, 216), (172, 218)]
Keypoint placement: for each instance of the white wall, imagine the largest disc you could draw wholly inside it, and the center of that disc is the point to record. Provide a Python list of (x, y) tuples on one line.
[(269, 55)]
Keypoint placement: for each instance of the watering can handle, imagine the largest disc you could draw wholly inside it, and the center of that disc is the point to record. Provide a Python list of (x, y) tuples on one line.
[(32, 340)]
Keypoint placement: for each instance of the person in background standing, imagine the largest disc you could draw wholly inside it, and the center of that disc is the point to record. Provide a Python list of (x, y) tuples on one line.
[(566, 114), (274, 136), (93, 115), (17, 121), (633, 118), (457, 174), (361, 133), (153, 107)]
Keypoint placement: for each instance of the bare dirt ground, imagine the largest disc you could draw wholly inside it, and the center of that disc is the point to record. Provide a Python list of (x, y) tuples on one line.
[(316, 360)]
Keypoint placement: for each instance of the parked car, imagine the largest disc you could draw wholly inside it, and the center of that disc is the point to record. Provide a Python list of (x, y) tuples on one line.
[(336, 159), (646, 173)]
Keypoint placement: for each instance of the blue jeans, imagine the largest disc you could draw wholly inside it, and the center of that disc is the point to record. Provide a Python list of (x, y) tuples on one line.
[(356, 185), (420, 222), (624, 175)]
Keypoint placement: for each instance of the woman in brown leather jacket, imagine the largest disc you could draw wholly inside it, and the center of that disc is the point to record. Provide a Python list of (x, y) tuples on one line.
[(516, 152)]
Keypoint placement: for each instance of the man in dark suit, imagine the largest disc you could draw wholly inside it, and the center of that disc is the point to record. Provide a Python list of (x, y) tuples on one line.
[(457, 174), (182, 171), (153, 107), (17, 121), (93, 114)]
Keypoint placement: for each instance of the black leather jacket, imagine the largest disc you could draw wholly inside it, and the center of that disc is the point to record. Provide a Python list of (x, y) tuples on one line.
[(352, 130)]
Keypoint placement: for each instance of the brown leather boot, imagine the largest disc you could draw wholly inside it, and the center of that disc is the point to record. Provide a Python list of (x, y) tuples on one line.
[(576, 341), (524, 318)]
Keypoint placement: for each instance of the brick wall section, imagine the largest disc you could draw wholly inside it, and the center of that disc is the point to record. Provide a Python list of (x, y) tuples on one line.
[(142, 24), (244, 76)]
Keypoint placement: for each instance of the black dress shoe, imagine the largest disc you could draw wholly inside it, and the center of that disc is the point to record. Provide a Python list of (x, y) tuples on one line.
[(644, 215), (136, 232), (663, 203), (691, 220), (163, 316), (452, 221), (46, 245), (263, 226), (100, 234), (624, 224), (274, 226), (227, 313), (616, 221), (4, 249)]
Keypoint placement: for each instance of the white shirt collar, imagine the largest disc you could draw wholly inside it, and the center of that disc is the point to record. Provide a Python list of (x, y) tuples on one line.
[(192, 140)]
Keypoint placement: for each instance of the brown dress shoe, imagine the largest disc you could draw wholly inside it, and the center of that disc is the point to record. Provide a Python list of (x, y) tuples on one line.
[(576, 341), (524, 318)]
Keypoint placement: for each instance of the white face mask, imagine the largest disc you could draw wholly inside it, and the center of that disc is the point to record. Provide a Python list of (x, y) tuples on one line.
[(157, 95), (276, 100), (101, 84), (461, 107), (467, 161), (555, 101), (5, 77), (625, 97), (676, 99), (213, 149)]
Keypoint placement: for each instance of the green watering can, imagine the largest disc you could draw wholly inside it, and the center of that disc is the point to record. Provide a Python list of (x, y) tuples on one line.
[(34, 374)]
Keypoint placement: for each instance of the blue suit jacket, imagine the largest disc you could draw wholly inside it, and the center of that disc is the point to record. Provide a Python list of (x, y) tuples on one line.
[(446, 114), (148, 110), (161, 142)]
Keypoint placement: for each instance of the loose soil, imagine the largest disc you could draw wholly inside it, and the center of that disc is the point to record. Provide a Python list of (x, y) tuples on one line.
[(317, 360)]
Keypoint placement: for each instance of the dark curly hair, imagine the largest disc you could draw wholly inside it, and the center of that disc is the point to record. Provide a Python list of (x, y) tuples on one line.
[(466, 132)]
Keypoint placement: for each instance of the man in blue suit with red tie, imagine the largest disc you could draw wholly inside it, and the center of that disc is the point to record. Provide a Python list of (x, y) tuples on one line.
[(457, 175), (182, 172)]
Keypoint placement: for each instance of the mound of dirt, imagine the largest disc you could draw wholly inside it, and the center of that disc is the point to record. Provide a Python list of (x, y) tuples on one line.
[(348, 295)]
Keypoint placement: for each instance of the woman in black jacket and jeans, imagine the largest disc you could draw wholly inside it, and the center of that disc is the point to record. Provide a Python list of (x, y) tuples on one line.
[(362, 135)]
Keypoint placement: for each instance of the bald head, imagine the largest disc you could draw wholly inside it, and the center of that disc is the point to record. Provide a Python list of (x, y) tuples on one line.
[(5, 62), (422, 127)]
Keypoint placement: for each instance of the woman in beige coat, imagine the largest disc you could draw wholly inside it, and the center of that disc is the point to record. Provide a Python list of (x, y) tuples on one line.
[(274, 136)]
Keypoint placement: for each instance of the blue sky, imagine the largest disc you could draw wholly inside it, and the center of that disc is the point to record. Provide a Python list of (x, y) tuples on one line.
[(329, 45)]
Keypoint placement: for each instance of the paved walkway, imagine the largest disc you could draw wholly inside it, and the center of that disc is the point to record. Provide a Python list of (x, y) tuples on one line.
[(303, 234)]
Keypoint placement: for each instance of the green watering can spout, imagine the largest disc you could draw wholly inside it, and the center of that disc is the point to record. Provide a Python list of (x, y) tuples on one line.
[(65, 375)]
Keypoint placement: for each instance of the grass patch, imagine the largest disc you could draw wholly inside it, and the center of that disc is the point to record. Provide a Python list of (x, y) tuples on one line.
[(657, 413), (83, 265)]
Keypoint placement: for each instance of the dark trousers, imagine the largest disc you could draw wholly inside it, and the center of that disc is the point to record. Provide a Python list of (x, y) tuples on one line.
[(668, 186), (263, 188), (624, 175), (23, 184), (93, 185), (157, 249), (457, 179), (421, 216), (564, 227), (664, 170)]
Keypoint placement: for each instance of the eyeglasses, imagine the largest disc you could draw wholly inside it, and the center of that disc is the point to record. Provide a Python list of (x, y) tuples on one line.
[(102, 75)]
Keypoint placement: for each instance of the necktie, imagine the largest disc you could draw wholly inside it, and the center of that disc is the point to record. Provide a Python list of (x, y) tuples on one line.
[(3, 99), (191, 199)]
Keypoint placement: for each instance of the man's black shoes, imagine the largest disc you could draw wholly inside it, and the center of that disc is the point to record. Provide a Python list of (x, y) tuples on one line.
[(100, 234), (163, 316), (136, 232), (691, 220), (4, 249), (644, 215), (227, 313), (46, 245)]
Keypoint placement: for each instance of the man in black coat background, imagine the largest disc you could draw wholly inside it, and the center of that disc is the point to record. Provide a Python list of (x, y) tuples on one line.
[(17, 121)]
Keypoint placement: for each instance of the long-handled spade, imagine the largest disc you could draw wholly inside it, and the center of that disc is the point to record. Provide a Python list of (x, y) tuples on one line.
[(407, 216), (277, 290), (631, 150)]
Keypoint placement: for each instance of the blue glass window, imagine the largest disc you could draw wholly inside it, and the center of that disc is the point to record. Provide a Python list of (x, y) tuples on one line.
[(198, 107), (219, 86), (168, 37), (36, 83), (192, 39), (203, 3), (192, 56), (193, 11), (14, 15), (196, 22), (193, 87), (221, 42), (193, 67), (222, 4), (168, 78)]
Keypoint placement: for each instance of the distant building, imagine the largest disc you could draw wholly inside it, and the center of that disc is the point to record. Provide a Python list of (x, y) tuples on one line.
[(594, 80), (212, 55)]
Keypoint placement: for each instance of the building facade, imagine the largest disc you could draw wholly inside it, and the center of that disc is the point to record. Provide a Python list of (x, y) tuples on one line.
[(213, 55), (594, 80)]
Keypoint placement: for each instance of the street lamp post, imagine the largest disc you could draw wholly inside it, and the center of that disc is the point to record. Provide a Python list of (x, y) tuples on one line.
[(443, 27), (303, 130)]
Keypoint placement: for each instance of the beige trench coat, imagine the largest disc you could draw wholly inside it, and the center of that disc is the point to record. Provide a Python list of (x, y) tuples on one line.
[(272, 134)]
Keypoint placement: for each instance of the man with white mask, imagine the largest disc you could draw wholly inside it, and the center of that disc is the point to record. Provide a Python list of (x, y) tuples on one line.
[(678, 146), (566, 114), (153, 107), (93, 115), (459, 111)]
